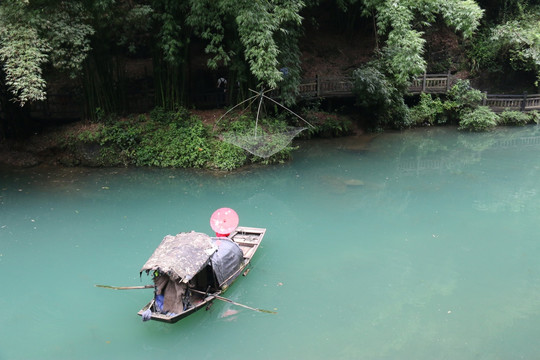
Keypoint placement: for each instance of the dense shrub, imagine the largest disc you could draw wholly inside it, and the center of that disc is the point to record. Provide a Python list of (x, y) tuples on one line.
[(482, 53), (176, 145), (479, 119), (325, 125), (462, 98), (429, 111), (176, 139), (377, 94), (122, 135), (534, 116), (508, 117), (168, 139), (226, 156)]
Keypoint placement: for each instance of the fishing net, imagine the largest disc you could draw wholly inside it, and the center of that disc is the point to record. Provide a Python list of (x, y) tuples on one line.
[(263, 141)]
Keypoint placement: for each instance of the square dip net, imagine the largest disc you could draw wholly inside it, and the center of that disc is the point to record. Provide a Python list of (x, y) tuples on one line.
[(262, 141)]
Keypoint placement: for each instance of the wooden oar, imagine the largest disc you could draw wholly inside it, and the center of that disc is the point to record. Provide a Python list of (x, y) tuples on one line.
[(234, 302), (125, 287), (196, 291)]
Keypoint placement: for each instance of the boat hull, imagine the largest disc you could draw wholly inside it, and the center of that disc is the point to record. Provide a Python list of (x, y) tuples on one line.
[(248, 239)]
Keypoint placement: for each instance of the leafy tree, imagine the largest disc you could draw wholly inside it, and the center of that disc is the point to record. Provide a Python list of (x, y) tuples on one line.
[(520, 39), (258, 22), (22, 52), (380, 97), (462, 97), (480, 119), (461, 100), (429, 111), (398, 21), (32, 35), (256, 39), (261, 27)]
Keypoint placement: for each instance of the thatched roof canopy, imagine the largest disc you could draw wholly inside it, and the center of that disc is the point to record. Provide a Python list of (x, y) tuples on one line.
[(181, 256)]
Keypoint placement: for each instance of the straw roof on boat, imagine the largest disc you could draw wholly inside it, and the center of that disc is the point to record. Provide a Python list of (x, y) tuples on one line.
[(181, 256)]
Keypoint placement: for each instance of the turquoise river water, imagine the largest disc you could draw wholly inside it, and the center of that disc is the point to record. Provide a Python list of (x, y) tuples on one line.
[(421, 244)]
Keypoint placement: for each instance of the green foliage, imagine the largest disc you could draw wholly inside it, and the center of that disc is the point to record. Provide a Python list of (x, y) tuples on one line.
[(403, 50), (68, 35), (101, 116), (171, 38), (285, 154), (257, 25), (325, 125), (87, 136), (123, 136), (513, 42), (177, 142), (462, 98), (520, 39), (483, 54), (403, 55), (518, 118), (136, 22), (462, 15), (502, 10), (207, 19), (480, 119), (22, 53), (177, 139), (371, 87), (175, 146), (32, 35), (462, 105), (534, 117), (429, 111), (241, 123), (258, 22), (226, 156), (171, 49), (377, 94), (87, 37)]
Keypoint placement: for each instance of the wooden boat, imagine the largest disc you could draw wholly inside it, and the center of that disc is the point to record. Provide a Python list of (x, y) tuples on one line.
[(190, 270)]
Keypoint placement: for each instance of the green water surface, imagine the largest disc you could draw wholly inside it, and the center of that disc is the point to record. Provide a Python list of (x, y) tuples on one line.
[(421, 244)]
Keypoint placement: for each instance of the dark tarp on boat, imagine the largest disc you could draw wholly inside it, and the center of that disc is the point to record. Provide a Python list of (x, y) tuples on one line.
[(227, 259), (182, 256)]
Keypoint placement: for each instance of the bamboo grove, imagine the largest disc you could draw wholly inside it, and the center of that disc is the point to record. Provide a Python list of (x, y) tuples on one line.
[(88, 41)]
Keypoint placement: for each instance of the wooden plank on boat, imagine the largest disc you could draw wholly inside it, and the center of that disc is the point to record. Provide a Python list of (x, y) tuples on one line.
[(248, 239)]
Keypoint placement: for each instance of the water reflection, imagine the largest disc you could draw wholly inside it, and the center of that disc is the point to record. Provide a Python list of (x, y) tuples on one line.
[(434, 154), (426, 151)]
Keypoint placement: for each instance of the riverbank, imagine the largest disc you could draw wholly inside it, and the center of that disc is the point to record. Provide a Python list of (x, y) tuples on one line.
[(195, 139), (158, 139)]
